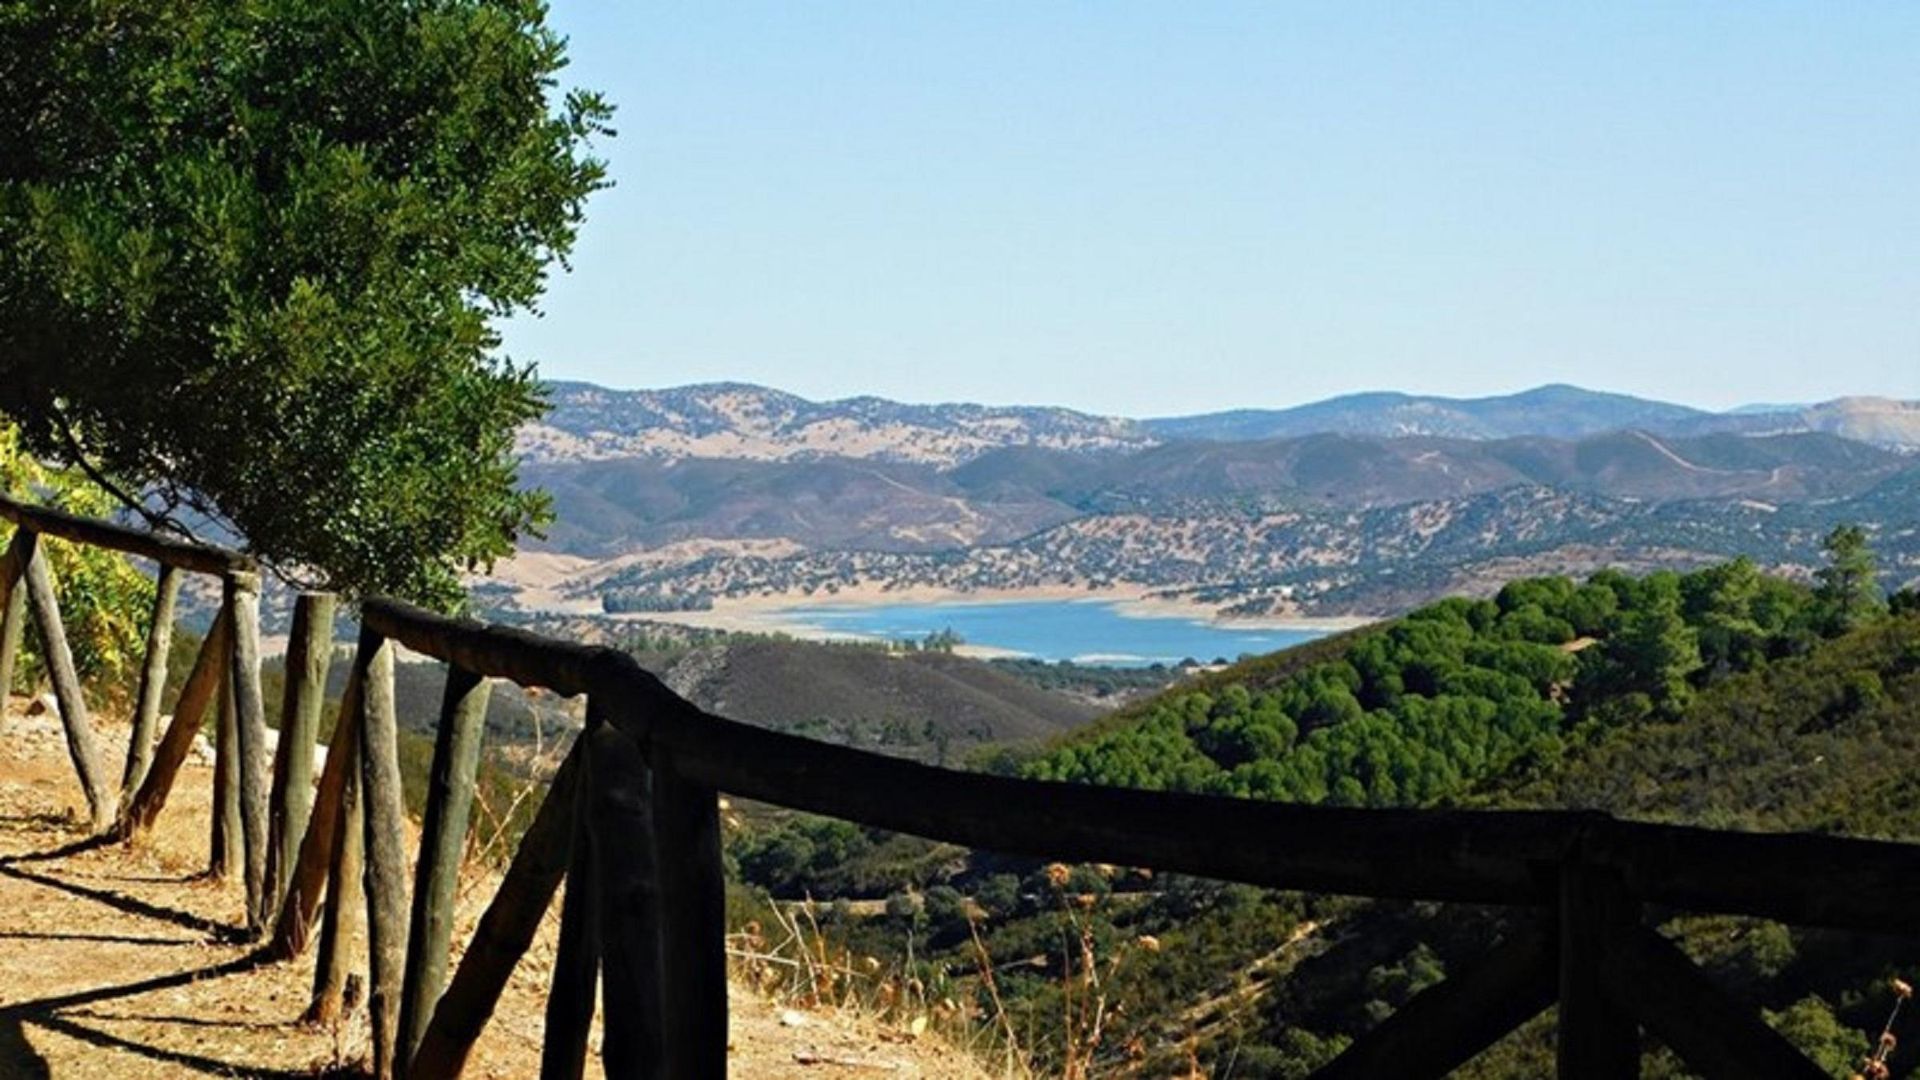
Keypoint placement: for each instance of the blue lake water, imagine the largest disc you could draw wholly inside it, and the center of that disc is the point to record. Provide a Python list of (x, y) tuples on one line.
[(1089, 632)]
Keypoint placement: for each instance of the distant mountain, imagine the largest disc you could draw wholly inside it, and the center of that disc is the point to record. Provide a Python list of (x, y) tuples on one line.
[(735, 420), (1882, 421), (1365, 503), (1558, 410), (741, 422), (607, 507)]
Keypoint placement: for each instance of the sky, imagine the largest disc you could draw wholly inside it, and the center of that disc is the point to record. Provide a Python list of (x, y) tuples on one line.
[(1154, 209)]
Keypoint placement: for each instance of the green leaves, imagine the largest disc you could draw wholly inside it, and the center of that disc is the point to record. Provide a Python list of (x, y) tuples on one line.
[(249, 255)]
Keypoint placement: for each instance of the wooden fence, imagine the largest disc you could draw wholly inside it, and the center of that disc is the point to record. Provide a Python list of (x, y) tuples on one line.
[(631, 822)]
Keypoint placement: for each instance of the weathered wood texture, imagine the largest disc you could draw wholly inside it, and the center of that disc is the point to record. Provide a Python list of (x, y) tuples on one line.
[(310, 876), (1445, 1025), (1646, 974), (290, 801), (501, 652), (1598, 1039), (13, 608), (203, 558), (344, 917), (693, 919), (209, 674), (443, 842), (620, 825), (82, 746), (227, 840), (153, 682), (576, 962), (250, 729), (505, 930), (384, 811)]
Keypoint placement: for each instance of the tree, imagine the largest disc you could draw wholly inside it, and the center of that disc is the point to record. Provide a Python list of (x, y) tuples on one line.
[(1848, 593), (250, 256), (104, 600)]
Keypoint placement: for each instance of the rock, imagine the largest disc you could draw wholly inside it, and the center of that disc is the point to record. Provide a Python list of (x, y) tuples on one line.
[(202, 750), (44, 705)]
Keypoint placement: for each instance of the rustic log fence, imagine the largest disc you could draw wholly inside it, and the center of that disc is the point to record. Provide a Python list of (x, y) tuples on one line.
[(631, 822)]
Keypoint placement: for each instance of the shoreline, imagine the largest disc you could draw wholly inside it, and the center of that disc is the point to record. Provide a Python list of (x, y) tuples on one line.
[(774, 613)]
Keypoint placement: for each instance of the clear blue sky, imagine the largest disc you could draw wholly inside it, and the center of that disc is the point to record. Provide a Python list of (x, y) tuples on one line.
[(1182, 206)]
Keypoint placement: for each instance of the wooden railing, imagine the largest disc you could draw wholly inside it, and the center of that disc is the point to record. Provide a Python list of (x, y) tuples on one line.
[(631, 822)]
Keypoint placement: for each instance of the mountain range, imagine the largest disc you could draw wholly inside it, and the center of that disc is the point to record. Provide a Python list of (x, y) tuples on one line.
[(741, 421), (1362, 504)]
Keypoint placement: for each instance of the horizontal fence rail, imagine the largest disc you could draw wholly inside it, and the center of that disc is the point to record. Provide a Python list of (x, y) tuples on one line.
[(630, 825), (185, 554)]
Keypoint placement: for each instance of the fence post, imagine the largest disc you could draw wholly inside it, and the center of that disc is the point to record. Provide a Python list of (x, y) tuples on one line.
[(693, 919), (576, 962), (323, 832), (620, 822), (250, 727), (13, 613), (227, 850), (153, 682), (208, 676), (290, 802), (1598, 1039), (384, 813), (340, 923), (443, 839), (81, 745), (505, 930)]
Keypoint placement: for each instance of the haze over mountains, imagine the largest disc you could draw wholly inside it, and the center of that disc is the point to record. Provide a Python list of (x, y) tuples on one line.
[(708, 491)]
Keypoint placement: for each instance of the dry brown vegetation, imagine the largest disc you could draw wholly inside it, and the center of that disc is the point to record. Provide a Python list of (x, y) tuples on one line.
[(118, 962)]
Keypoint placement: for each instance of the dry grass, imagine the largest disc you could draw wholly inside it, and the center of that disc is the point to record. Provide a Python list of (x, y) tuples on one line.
[(118, 962)]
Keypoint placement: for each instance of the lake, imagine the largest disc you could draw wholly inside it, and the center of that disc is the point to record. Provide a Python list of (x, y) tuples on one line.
[(1084, 631)]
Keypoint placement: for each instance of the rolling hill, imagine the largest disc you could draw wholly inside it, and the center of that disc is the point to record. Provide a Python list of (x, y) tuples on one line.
[(930, 705)]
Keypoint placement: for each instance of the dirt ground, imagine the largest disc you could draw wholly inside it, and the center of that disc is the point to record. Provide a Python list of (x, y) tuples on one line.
[(118, 962)]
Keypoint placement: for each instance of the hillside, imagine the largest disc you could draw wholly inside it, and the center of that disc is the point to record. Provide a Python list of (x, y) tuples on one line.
[(735, 420), (1722, 697), (1369, 504), (1369, 562), (931, 705)]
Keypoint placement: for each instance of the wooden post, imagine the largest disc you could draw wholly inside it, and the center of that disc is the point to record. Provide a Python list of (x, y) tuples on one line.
[(81, 745), (620, 823), (576, 962), (386, 856), (506, 929), (1715, 1035), (317, 845), (208, 676), (443, 841), (153, 682), (1445, 1025), (226, 842), (290, 803), (341, 923), (13, 611), (693, 919), (250, 730), (1598, 1040)]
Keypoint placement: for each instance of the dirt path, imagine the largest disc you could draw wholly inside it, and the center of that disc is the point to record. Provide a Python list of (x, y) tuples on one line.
[(120, 963)]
